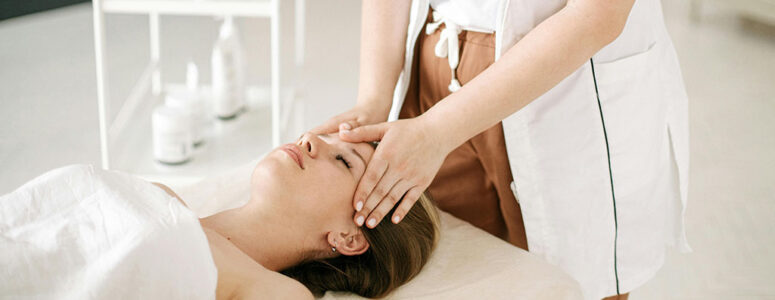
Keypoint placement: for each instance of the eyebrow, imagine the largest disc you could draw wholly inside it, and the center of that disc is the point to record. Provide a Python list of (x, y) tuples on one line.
[(327, 136)]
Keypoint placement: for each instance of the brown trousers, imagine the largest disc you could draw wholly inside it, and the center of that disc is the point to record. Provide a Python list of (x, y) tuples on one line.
[(473, 183)]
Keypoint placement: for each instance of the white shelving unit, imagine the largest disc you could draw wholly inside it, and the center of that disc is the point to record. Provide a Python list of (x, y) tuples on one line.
[(125, 141)]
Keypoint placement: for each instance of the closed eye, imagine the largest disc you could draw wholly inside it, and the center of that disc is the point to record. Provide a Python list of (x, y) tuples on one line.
[(344, 161)]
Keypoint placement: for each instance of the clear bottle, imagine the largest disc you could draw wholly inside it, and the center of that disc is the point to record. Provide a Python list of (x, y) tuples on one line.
[(189, 101), (228, 86)]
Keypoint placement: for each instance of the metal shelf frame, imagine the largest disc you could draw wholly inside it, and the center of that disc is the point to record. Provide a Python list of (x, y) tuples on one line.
[(109, 131)]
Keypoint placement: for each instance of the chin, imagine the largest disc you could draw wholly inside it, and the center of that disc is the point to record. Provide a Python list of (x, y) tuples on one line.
[(275, 170)]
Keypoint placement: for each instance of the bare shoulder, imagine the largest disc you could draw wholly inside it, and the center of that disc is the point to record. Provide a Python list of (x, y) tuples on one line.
[(273, 285), (170, 192)]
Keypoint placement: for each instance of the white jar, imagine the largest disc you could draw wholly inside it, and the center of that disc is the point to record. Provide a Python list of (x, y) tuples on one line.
[(172, 138)]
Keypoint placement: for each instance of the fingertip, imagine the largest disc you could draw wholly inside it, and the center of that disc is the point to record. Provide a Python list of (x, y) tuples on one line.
[(345, 134), (352, 134), (396, 218), (359, 206), (359, 220), (372, 223)]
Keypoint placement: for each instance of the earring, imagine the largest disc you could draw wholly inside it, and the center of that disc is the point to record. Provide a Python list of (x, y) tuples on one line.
[(333, 249)]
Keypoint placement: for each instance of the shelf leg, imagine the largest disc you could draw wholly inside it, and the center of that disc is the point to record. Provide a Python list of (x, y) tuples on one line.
[(299, 18), (275, 41), (153, 25), (99, 55)]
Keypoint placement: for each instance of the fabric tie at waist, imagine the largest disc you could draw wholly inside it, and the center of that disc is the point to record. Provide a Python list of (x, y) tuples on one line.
[(448, 45)]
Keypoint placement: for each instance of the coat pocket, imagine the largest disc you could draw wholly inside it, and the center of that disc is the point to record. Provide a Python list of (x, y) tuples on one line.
[(635, 116)]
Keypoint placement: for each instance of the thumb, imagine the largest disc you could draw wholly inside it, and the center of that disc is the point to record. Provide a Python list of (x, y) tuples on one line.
[(368, 133), (330, 126)]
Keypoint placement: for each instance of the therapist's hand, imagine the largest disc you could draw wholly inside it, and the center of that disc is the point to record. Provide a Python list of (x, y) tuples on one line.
[(359, 115), (407, 159)]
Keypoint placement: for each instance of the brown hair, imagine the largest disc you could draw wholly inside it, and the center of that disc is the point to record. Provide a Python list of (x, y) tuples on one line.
[(397, 252)]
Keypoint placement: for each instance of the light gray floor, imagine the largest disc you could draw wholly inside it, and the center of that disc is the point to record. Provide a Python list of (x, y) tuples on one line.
[(49, 116), (729, 70)]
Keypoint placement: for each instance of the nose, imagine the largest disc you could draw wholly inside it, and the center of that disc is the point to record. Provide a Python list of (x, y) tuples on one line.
[(311, 143)]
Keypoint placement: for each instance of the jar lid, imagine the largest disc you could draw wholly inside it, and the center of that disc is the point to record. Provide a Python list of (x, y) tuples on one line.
[(181, 98), (165, 117)]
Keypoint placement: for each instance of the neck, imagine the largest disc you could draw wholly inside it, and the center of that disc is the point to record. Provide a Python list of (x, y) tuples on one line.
[(260, 234)]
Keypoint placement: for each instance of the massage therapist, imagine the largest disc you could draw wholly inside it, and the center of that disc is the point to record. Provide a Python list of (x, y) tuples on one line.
[(558, 126)]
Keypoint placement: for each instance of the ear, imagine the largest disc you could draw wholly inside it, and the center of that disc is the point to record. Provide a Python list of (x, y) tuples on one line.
[(349, 244)]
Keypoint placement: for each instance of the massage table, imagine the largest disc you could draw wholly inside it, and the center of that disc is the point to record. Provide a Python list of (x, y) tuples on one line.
[(68, 235)]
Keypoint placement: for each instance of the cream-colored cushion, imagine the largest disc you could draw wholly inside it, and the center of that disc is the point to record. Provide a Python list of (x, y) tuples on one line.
[(468, 263)]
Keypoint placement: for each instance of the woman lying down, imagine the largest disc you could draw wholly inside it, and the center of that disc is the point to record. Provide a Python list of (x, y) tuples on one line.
[(80, 232)]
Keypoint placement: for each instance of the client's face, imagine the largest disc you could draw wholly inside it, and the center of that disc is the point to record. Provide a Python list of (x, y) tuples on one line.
[(315, 179)]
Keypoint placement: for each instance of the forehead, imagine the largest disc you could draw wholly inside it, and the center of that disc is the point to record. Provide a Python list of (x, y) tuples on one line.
[(333, 138)]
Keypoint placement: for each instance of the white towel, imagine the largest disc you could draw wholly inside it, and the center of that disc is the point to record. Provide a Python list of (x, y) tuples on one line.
[(79, 232)]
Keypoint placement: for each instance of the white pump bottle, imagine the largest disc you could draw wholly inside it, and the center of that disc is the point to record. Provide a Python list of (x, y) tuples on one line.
[(228, 72)]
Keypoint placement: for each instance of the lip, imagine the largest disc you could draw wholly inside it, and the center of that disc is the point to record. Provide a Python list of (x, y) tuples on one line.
[(294, 153)]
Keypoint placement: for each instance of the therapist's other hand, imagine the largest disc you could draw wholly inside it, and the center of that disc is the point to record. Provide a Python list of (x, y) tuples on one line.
[(407, 159), (359, 115)]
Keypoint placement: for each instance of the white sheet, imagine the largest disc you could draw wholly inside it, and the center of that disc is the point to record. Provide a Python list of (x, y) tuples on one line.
[(79, 232), (468, 263)]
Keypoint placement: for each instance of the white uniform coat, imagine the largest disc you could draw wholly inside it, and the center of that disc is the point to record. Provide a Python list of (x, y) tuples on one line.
[(600, 161)]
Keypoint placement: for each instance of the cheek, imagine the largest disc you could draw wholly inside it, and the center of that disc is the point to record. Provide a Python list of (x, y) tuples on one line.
[(330, 207), (276, 181), (272, 174), (331, 196), (333, 193), (319, 194)]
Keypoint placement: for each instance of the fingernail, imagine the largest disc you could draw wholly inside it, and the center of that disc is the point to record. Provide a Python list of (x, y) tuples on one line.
[(359, 220), (396, 219), (345, 126), (372, 222), (358, 206)]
